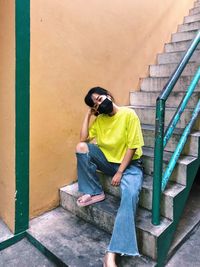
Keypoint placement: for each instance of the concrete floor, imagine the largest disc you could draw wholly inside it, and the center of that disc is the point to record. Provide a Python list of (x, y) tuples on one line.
[(24, 254)]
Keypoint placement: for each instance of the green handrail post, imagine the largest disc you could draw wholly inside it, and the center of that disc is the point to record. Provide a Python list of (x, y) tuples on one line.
[(158, 160)]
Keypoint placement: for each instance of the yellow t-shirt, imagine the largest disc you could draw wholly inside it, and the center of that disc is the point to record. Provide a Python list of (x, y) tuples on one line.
[(114, 134)]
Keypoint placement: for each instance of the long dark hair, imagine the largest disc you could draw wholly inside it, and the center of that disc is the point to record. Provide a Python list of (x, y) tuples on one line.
[(96, 90)]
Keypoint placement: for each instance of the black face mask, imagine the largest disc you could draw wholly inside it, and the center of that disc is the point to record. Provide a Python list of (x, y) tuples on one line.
[(106, 107)]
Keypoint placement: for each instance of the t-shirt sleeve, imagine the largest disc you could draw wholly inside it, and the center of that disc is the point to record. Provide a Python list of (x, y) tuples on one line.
[(134, 132)]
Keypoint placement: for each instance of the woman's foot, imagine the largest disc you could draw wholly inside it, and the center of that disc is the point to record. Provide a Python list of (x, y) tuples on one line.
[(87, 199), (109, 260)]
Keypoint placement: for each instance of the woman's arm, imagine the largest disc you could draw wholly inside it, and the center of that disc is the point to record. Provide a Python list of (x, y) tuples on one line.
[(125, 162), (84, 134)]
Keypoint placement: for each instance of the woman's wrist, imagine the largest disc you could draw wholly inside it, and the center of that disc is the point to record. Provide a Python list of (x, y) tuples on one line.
[(121, 172)]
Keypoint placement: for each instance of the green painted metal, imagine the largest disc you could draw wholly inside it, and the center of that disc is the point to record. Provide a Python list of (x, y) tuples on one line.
[(159, 129), (12, 240), (179, 147), (181, 108), (45, 250), (22, 32), (160, 116)]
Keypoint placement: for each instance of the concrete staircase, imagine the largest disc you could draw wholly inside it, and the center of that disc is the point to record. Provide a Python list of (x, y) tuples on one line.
[(154, 241)]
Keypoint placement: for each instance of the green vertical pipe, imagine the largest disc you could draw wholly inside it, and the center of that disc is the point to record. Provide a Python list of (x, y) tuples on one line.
[(22, 76), (158, 159)]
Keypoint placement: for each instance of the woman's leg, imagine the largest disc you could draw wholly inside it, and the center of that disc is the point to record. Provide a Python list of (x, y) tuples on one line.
[(124, 240), (89, 159)]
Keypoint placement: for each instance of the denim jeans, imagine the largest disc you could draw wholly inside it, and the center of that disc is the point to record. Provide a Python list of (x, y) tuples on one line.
[(123, 240)]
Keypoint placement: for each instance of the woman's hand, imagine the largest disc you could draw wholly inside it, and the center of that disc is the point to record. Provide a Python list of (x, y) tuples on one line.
[(116, 179)]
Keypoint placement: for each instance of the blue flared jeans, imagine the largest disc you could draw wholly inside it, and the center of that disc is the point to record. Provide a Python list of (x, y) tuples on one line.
[(123, 240)]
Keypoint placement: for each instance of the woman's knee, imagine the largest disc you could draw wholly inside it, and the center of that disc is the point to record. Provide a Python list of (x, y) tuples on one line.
[(82, 147)]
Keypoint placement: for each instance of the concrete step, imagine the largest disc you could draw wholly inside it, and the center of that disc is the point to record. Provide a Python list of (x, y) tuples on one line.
[(176, 57), (149, 99), (166, 70), (194, 11), (197, 4), (184, 36), (168, 198), (147, 116), (189, 26), (179, 174), (103, 214), (157, 84), (192, 18), (190, 148)]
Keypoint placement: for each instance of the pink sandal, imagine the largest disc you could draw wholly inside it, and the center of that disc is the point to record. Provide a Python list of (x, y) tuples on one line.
[(87, 199)]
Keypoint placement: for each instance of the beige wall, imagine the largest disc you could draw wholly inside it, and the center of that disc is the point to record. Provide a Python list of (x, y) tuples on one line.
[(7, 111), (76, 45)]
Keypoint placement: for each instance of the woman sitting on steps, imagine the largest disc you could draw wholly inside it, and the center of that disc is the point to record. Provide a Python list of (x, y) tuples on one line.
[(117, 153)]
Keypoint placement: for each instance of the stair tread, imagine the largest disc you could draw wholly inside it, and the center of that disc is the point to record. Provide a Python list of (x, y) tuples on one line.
[(153, 107), (184, 159), (178, 131), (75, 242), (157, 83), (149, 98), (172, 188), (110, 205), (173, 93)]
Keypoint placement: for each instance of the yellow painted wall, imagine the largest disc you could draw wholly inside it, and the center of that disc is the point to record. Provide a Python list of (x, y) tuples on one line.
[(76, 45), (7, 111)]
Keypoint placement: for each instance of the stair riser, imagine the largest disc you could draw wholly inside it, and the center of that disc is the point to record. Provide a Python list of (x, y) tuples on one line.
[(177, 46), (148, 117), (190, 148), (149, 99), (189, 26), (184, 36), (90, 214), (167, 70), (105, 221), (179, 174), (194, 11), (167, 58), (157, 84), (196, 4), (145, 196), (193, 18)]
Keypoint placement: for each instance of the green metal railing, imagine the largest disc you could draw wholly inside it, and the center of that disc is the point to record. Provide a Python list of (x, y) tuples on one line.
[(161, 138)]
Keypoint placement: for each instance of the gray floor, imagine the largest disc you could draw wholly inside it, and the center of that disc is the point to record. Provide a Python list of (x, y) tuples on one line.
[(188, 254), (23, 254)]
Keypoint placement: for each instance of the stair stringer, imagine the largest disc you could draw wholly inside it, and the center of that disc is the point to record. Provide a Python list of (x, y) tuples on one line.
[(165, 239)]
